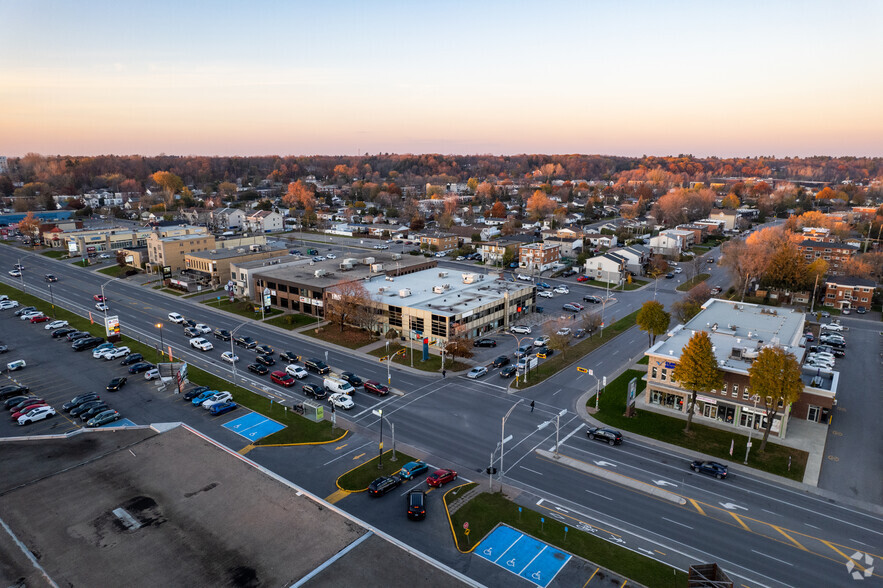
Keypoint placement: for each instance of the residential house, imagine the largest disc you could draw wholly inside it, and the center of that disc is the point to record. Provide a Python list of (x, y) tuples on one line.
[(836, 254), (539, 256), (197, 216), (494, 251), (636, 257), (228, 218), (489, 233), (607, 267), (849, 292), (570, 246), (263, 221), (439, 241), (672, 242), (599, 240), (700, 232), (714, 227)]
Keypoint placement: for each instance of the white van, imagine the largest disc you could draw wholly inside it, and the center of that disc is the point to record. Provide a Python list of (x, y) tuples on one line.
[(333, 385)]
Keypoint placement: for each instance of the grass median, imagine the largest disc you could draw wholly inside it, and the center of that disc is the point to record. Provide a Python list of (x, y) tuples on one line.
[(55, 254), (560, 361), (701, 438), (297, 429), (358, 478), (693, 282), (487, 510), (433, 364), (348, 337)]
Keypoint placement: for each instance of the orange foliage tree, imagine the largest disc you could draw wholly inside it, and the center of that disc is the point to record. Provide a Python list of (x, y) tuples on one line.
[(539, 206)]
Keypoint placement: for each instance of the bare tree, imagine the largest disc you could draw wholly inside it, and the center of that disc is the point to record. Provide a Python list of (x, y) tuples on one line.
[(348, 303)]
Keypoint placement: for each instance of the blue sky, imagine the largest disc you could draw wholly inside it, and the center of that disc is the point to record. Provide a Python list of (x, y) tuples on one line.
[(223, 78)]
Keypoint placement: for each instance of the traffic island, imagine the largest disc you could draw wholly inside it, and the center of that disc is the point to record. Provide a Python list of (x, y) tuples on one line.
[(358, 478), (400, 356), (477, 518)]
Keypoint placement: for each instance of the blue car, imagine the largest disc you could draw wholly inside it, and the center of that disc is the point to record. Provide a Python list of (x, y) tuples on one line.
[(203, 397), (543, 285), (222, 407), (412, 468)]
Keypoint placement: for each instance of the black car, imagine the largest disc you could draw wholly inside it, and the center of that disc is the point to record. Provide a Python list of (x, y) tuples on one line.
[(78, 410), (117, 383), (544, 350), (861, 310), (194, 392), (50, 278), (316, 365), (382, 485), (265, 360), (87, 343), (610, 436), (264, 350), (141, 366), (570, 308), (669, 276), (94, 411), (132, 358), (484, 343), (14, 401), (416, 501), (712, 468), (354, 380), (836, 352), (222, 334), (568, 273), (63, 332), (314, 390), (187, 323), (13, 390), (501, 361), (78, 400), (258, 369), (289, 356), (508, 371), (246, 342), (592, 299)]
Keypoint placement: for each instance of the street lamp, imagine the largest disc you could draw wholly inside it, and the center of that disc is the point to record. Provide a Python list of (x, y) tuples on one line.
[(388, 361), (755, 398), (557, 427), (162, 345), (52, 298), (232, 354), (104, 300), (379, 413), (597, 388), (490, 470), (503, 440), (21, 276)]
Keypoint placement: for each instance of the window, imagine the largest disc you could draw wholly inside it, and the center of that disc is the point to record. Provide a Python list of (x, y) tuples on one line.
[(745, 393), (724, 389), (395, 316), (654, 373), (416, 323), (735, 392), (439, 326), (664, 374)]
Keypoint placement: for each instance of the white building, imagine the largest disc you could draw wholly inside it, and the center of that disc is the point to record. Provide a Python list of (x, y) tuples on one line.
[(263, 221), (672, 242), (608, 267)]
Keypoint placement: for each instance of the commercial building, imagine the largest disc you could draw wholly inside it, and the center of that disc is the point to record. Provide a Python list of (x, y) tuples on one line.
[(848, 292), (170, 251), (738, 332), (214, 265)]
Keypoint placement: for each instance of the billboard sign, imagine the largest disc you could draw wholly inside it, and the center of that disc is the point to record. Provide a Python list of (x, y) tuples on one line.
[(633, 386), (166, 272), (112, 326), (266, 297)]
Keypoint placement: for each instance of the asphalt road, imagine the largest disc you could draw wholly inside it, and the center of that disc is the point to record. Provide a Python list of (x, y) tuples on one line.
[(456, 423)]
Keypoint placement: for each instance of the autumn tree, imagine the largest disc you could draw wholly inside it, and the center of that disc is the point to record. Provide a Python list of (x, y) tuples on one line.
[(458, 344), (690, 306), (775, 378), (787, 268), (30, 227), (346, 303), (731, 201), (658, 265), (539, 206), (498, 210), (697, 370), (653, 319), (227, 190), (169, 183), (472, 184), (299, 195), (121, 258), (591, 322), (485, 192)]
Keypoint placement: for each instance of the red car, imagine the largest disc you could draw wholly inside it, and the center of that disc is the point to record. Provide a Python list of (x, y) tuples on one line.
[(583, 279), (376, 388), (39, 319), (439, 478), (99, 298), (282, 379), (27, 409)]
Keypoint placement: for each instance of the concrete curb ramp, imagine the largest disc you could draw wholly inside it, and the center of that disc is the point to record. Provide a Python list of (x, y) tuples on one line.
[(613, 477)]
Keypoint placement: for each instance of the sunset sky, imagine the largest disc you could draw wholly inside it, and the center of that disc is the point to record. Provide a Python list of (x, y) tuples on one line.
[(302, 78)]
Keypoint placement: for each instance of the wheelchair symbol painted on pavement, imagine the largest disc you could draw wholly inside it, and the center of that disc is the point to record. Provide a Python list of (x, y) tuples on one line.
[(511, 563), (488, 551), (536, 575)]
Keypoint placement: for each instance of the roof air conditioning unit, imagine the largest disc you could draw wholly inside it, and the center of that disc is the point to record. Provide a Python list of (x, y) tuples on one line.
[(319, 273), (404, 292)]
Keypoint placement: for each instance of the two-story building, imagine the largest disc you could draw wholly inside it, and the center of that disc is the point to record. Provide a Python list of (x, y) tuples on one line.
[(539, 257), (439, 241), (227, 218), (607, 267), (849, 292), (672, 242), (214, 265), (569, 246), (170, 251), (729, 218), (263, 221)]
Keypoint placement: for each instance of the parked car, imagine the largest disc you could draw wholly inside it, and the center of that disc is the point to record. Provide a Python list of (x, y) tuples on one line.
[(501, 361), (416, 500), (25, 402), (477, 372), (194, 392), (376, 387), (545, 294), (282, 378), (106, 417), (609, 436), (580, 333), (25, 310), (93, 412), (29, 406), (524, 350), (439, 478), (117, 383), (14, 401), (63, 332), (78, 400), (669, 276), (8, 304), (79, 410), (562, 290), (217, 399), (412, 468), (382, 485), (563, 331), (832, 327), (40, 318), (198, 400), (37, 414), (141, 366), (592, 299), (543, 351), (152, 374), (222, 407), (484, 343), (583, 279), (712, 468), (543, 285), (520, 329), (132, 358)]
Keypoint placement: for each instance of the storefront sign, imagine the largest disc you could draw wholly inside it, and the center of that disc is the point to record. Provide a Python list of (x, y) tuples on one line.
[(706, 399)]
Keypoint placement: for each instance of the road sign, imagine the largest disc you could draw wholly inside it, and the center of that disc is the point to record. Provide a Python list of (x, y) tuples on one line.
[(582, 369), (384, 358)]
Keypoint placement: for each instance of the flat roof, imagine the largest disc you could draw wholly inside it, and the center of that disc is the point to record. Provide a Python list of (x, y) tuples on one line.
[(304, 270), (226, 522), (738, 326), (454, 295), (240, 251)]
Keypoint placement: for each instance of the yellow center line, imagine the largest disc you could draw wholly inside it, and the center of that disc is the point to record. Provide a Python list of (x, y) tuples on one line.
[(696, 505), (659, 552), (740, 521), (789, 537)]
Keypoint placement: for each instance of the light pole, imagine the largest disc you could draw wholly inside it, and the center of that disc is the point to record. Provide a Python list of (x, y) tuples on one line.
[(232, 354), (21, 275), (597, 388), (557, 427), (52, 298), (490, 470), (503, 440), (379, 413), (388, 361), (104, 301), (755, 398), (162, 344)]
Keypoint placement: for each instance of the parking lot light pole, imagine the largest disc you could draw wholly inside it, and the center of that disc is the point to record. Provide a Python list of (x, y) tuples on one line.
[(503, 440), (52, 298), (388, 361)]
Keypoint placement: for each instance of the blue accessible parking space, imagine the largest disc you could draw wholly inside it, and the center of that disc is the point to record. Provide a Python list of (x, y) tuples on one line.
[(254, 426), (524, 556)]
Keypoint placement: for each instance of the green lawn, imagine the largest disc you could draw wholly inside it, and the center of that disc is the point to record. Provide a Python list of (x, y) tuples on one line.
[(350, 337), (82, 263), (194, 294), (626, 286), (357, 479), (709, 440), (243, 308), (686, 286), (113, 271), (486, 510), (433, 364), (644, 360), (54, 253), (298, 429), (700, 249), (560, 361), (291, 321)]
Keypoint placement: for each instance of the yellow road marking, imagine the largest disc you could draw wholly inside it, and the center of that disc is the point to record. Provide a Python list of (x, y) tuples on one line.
[(696, 505), (246, 449), (339, 447), (590, 579), (740, 521), (789, 537), (358, 456), (337, 496), (659, 552), (623, 583), (846, 557)]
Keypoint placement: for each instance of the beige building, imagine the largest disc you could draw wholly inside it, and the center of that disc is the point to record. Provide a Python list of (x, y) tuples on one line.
[(442, 241), (214, 264), (170, 251)]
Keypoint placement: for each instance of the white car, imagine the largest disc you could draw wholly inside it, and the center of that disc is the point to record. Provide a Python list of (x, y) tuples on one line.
[(545, 294), (229, 357), (561, 290), (98, 352), (176, 318), (520, 329), (217, 399), (30, 314), (563, 331), (204, 329), (105, 256), (116, 353), (7, 304), (38, 414), (15, 273), (832, 327), (524, 278), (331, 256), (201, 344), (296, 371), (102, 307), (477, 372), (55, 325), (679, 270), (341, 400), (441, 254), (540, 341), (151, 374)]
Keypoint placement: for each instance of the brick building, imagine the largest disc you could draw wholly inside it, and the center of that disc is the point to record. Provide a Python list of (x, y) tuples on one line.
[(849, 292), (836, 254)]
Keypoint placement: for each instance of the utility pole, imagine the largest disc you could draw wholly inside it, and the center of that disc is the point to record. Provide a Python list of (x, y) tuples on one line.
[(812, 303)]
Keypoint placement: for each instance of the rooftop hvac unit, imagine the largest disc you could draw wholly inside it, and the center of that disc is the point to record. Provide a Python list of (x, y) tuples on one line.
[(319, 273), (390, 279), (396, 256), (443, 274), (381, 289), (350, 260), (377, 267), (749, 353), (367, 260), (346, 266), (438, 289), (404, 292)]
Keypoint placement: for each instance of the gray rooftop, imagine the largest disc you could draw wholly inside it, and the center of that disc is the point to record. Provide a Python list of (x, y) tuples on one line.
[(234, 252), (738, 331), (443, 292), (304, 270)]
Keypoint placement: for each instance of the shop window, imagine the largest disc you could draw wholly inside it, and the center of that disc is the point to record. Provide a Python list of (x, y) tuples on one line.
[(654, 373), (664, 374), (735, 390)]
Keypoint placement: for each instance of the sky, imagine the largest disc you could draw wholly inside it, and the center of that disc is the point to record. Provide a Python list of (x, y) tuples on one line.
[(619, 77)]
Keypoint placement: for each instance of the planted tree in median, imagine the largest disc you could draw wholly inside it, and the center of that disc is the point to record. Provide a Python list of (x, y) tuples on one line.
[(697, 370), (653, 319), (775, 378)]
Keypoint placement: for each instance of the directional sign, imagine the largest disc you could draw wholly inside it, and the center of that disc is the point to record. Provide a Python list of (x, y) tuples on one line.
[(582, 369)]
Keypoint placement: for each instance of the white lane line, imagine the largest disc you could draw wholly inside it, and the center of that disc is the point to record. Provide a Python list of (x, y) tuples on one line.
[(530, 470), (677, 523), (813, 526), (600, 495), (771, 512), (773, 558), (557, 391)]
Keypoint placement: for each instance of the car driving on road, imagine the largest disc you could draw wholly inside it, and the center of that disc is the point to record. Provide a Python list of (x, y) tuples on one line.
[(711, 468), (609, 436)]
